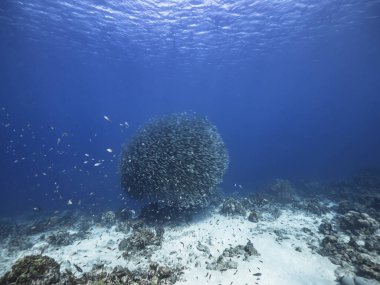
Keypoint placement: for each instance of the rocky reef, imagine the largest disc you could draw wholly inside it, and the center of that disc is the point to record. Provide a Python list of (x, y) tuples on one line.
[(352, 239), (225, 260), (140, 239), (33, 269), (232, 207), (38, 269)]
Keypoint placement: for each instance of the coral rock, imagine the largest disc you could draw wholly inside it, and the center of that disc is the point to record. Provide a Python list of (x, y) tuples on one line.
[(33, 269), (358, 223), (232, 206)]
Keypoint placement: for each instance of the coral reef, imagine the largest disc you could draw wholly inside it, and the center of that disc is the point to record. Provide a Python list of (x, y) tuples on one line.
[(326, 228), (253, 216), (224, 261), (61, 239), (37, 269), (348, 280), (358, 223), (121, 275), (232, 207), (33, 269), (108, 219), (140, 239), (177, 159), (123, 226), (352, 244), (313, 206)]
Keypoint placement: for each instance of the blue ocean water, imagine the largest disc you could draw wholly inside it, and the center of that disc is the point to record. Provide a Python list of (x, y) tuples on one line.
[(293, 87)]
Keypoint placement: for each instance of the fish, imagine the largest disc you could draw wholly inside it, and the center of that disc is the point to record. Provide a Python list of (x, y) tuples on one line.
[(58, 141), (107, 118), (109, 150), (43, 250), (78, 268), (97, 164), (69, 202), (124, 125), (48, 221)]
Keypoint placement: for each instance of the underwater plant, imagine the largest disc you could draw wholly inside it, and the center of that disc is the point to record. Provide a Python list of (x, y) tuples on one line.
[(176, 160)]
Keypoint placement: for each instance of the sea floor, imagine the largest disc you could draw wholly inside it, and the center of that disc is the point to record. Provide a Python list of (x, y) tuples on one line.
[(284, 245), (280, 243)]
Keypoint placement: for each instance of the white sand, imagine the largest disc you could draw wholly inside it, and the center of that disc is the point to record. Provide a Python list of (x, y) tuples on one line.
[(279, 261)]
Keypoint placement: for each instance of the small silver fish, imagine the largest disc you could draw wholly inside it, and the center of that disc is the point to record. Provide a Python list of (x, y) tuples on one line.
[(124, 125), (78, 268), (107, 118)]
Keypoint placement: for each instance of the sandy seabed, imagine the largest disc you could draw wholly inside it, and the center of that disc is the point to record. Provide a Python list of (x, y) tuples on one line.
[(286, 247)]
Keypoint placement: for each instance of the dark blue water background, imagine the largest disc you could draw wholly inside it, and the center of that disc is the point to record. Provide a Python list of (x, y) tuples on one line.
[(293, 87)]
